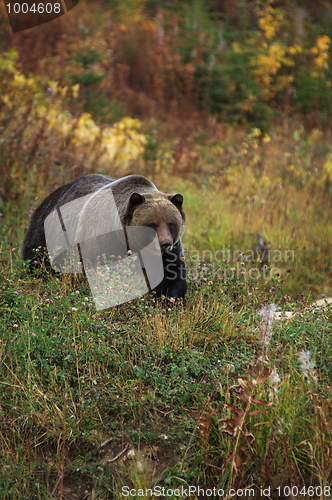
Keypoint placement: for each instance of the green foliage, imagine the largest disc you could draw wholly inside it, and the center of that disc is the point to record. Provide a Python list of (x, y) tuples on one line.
[(312, 94), (91, 56), (89, 78), (228, 93)]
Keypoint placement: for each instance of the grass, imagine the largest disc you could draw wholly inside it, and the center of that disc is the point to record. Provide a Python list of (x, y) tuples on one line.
[(151, 393)]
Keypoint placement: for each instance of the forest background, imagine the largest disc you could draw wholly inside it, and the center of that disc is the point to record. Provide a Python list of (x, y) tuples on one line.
[(231, 98), (228, 102)]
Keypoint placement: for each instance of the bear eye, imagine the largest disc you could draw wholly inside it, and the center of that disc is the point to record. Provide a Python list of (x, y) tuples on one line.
[(171, 227), (153, 226)]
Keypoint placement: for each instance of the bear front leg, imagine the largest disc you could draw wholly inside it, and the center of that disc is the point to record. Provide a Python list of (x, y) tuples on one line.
[(177, 287), (174, 284)]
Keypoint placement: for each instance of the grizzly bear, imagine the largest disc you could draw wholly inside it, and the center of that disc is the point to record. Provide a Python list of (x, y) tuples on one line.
[(138, 203)]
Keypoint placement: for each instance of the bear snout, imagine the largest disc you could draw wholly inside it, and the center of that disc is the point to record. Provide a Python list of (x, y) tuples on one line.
[(166, 246)]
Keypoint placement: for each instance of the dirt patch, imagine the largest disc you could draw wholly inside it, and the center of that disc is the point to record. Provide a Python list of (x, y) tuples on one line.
[(130, 464), (144, 462)]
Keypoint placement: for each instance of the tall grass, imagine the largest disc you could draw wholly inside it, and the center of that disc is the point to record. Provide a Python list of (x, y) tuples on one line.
[(94, 399)]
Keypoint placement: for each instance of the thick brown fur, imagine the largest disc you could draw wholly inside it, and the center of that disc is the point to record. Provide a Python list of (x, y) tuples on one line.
[(139, 203)]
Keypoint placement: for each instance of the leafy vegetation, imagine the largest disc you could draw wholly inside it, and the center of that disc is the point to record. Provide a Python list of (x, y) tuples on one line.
[(231, 107)]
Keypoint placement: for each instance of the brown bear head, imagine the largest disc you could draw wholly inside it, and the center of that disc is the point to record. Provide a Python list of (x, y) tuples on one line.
[(162, 212)]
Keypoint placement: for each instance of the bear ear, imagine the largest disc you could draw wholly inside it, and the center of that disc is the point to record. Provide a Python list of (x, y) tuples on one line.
[(177, 199), (136, 199)]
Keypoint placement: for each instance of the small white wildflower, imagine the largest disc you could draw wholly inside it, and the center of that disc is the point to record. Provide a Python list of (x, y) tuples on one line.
[(274, 380), (307, 366), (267, 312)]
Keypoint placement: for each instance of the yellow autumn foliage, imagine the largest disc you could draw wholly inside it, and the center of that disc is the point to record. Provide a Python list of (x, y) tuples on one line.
[(121, 142), (321, 53), (35, 104), (268, 64), (246, 177), (7, 61), (269, 21), (273, 56), (328, 168)]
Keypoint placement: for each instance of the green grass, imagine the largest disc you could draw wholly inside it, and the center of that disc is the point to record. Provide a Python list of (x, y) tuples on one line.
[(161, 382)]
